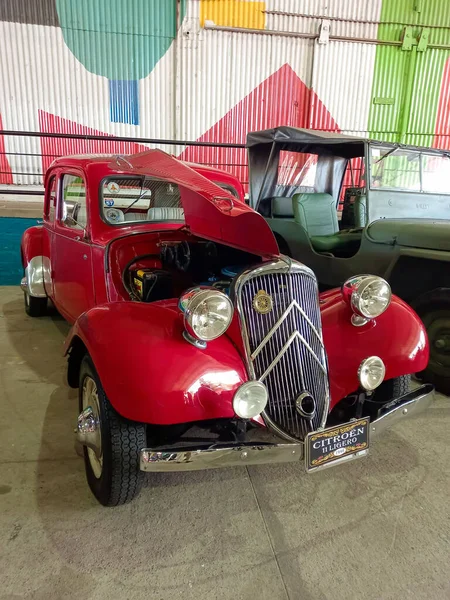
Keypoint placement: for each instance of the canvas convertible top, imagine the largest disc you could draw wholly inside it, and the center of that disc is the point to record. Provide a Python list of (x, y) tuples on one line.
[(308, 140), (313, 141)]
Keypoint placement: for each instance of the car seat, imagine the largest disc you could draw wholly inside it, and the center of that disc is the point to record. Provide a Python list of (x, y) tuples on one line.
[(165, 213), (316, 213)]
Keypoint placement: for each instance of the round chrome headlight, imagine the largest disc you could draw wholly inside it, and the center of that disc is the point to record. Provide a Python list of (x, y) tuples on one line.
[(207, 313), (250, 399), (371, 373), (369, 295)]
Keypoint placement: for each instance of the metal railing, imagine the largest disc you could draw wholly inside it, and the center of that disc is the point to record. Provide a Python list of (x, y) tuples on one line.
[(26, 155)]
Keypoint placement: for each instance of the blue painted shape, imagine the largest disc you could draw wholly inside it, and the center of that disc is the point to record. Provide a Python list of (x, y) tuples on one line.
[(11, 230), (124, 101)]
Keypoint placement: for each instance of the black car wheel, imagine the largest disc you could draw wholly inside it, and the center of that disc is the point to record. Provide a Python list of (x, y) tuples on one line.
[(392, 388), (35, 307), (387, 391), (434, 310), (112, 472)]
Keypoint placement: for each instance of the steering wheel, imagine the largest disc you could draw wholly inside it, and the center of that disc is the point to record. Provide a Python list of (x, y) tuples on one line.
[(183, 256)]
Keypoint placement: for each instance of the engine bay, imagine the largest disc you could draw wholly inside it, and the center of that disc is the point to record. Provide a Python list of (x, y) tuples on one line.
[(182, 264)]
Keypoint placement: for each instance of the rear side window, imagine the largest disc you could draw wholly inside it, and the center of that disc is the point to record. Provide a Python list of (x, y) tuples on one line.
[(140, 199), (74, 213), (50, 207)]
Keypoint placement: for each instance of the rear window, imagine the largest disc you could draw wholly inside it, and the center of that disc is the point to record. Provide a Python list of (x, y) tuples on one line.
[(140, 199)]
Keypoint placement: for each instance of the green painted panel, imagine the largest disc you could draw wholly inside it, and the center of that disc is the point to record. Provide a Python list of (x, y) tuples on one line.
[(119, 39), (413, 78), (388, 82)]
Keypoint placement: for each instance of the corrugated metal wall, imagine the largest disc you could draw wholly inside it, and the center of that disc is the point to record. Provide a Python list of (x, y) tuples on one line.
[(215, 69)]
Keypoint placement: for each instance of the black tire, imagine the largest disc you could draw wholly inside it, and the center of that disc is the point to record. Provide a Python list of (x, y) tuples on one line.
[(35, 307), (121, 479), (387, 391), (434, 310), (392, 388)]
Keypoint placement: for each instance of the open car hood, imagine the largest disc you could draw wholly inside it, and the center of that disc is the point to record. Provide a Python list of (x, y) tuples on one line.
[(209, 211)]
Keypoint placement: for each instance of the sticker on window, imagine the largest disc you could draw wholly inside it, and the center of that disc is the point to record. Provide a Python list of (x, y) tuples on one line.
[(113, 187), (109, 202)]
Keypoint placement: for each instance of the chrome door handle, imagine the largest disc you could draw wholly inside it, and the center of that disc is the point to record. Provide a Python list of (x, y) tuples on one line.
[(84, 256)]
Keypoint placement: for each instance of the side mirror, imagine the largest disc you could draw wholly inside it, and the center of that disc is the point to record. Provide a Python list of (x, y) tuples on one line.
[(70, 217)]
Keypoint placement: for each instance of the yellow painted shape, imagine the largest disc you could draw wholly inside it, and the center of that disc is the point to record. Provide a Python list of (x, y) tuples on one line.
[(244, 14)]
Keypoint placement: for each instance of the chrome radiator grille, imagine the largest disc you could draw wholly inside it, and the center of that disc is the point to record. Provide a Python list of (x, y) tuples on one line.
[(284, 346)]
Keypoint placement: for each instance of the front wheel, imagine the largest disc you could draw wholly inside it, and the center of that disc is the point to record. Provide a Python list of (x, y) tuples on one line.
[(435, 315), (112, 471), (35, 307), (387, 391)]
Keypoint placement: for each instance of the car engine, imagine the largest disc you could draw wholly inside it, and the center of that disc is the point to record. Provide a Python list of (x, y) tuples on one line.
[(182, 265)]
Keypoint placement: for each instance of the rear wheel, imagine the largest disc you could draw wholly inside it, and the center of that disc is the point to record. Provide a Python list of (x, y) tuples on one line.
[(435, 315), (35, 307), (112, 471)]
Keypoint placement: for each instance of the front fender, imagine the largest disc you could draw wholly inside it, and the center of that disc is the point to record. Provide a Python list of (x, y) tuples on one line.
[(397, 336), (150, 373), (35, 265)]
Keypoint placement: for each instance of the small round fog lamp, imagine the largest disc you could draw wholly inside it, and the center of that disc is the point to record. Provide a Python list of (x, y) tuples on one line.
[(371, 373), (250, 399)]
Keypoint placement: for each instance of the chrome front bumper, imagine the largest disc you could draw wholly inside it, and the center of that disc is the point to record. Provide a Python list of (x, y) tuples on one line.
[(195, 459)]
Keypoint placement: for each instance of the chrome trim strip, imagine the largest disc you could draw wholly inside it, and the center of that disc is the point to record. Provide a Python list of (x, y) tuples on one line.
[(197, 459), (406, 406)]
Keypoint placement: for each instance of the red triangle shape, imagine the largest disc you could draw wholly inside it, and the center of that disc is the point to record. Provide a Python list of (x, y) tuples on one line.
[(53, 147), (281, 99), (5, 170), (442, 126)]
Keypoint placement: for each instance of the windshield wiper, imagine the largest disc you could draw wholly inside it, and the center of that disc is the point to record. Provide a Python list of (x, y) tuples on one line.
[(385, 155), (141, 195)]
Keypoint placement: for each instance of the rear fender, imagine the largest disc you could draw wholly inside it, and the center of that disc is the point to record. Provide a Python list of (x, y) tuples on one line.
[(36, 266), (397, 336), (150, 373)]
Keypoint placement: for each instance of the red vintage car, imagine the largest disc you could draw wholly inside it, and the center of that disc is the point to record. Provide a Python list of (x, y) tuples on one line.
[(195, 344)]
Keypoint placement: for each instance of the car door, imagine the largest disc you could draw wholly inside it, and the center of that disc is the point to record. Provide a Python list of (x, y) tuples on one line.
[(48, 231), (71, 248)]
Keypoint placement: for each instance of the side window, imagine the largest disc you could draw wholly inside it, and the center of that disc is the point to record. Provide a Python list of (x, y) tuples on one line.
[(50, 206), (74, 213)]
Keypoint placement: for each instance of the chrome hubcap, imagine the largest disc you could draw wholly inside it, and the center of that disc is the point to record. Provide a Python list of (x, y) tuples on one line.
[(90, 400)]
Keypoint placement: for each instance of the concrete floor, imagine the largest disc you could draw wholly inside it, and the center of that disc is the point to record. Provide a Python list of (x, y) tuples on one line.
[(378, 528)]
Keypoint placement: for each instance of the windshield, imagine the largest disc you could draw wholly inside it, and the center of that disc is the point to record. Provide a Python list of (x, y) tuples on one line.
[(409, 170), (125, 200)]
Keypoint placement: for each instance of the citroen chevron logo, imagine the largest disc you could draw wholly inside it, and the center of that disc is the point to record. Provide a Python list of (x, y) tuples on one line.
[(290, 308), (286, 347)]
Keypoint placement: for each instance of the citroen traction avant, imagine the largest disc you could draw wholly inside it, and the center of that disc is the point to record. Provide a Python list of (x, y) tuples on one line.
[(196, 344)]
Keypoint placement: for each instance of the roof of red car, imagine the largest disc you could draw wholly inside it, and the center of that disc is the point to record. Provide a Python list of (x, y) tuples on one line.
[(82, 160)]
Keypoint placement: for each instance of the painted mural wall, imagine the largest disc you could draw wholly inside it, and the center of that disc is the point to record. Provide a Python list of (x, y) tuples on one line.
[(215, 69)]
